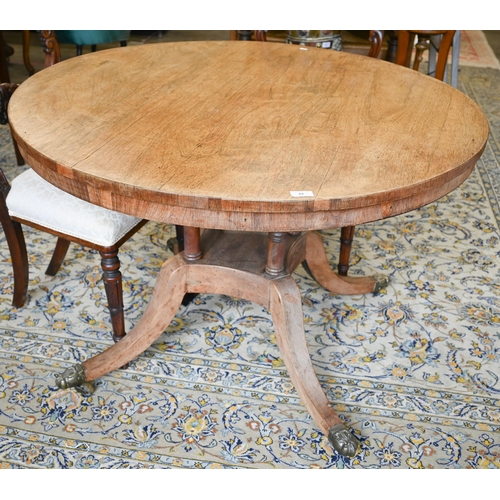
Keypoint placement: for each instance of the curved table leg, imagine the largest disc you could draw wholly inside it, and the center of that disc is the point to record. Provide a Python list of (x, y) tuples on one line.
[(280, 295), (286, 311), (321, 271), (167, 297)]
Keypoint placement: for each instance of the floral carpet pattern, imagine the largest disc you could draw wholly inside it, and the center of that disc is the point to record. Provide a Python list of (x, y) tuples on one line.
[(414, 372)]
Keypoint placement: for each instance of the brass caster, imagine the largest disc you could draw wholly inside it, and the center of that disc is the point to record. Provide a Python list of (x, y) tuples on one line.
[(381, 282), (73, 376), (86, 389), (343, 441)]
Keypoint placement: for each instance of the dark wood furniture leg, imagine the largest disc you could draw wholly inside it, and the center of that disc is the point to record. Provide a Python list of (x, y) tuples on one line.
[(112, 278), (6, 91), (17, 246), (57, 259), (4, 67), (254, 266), (26, 52), (346, 238), (392, 45)]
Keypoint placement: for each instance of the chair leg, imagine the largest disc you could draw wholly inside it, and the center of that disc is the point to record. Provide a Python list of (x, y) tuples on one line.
[(17, 246), (19, 256), (26, 53), (79, 50), (444, 50), (404, 48), (346, 237), (19, 156), (60, 251), (112, 278)]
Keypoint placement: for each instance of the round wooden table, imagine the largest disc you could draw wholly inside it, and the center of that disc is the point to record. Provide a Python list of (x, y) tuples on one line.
[(260, 144)]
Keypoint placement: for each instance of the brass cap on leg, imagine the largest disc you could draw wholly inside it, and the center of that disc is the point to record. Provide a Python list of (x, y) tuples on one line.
[(71, 377), (343, 441)]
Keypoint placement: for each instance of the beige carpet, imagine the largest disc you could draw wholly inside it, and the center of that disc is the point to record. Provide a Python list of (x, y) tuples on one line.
[(475, 50)]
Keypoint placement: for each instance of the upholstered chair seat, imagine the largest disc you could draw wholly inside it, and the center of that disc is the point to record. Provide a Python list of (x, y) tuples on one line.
[(33, 199)]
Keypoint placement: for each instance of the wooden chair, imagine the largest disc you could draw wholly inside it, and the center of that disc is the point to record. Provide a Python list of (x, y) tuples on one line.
[(425, 40), (347, 233), (32, 201)]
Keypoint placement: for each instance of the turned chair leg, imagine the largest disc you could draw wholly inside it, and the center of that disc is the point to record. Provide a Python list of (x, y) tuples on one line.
[(60, 251), (112, 278), (346, 237)]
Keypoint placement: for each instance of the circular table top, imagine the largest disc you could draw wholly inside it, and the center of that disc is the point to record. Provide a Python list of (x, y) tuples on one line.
[(246, 135)]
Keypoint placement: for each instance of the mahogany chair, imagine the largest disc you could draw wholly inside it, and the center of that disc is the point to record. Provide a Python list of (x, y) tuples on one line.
[(347, 233), (32, 201), (425, 41)]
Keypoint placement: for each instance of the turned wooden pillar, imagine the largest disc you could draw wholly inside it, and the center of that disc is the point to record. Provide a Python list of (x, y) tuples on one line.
[(276, 254), (192, 247)]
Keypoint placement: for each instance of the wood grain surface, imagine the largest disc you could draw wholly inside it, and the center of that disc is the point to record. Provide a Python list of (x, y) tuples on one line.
[(217, 134)]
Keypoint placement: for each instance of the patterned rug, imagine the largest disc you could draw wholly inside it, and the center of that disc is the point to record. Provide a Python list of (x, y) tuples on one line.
[(413, 372), (476, 51)]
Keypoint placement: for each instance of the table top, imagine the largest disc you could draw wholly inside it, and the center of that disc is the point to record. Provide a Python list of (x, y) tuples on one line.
[(246, 135)]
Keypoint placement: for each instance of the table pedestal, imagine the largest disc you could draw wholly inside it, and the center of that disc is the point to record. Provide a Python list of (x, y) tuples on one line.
[(256, 267)]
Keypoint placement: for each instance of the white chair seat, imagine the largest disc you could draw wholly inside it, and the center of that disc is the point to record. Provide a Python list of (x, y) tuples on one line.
[(34, 199)]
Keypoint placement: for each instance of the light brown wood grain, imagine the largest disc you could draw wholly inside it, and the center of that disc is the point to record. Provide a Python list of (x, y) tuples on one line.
[(288, 321), (217, 134), (320, 269)]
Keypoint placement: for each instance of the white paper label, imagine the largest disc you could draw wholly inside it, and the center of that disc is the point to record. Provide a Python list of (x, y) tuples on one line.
[(302, 194)]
